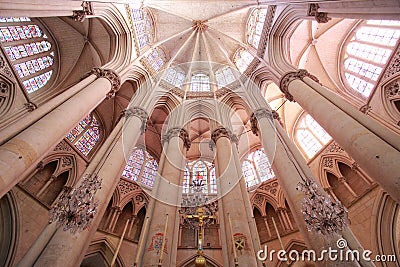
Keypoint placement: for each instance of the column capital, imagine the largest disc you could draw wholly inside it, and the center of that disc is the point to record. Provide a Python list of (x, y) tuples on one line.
[(320, 17), (138, 112), (178, 132), (110, 75), (222, 132), (80, 15), (291, 76), (258, 114), (342, 179)]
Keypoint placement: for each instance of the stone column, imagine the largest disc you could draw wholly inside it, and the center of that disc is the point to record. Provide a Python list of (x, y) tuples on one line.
[(20, 155), (28, 119), (246, 199), (65, 249), (166, 201), (289, 167), (232, 201), (372, 146)]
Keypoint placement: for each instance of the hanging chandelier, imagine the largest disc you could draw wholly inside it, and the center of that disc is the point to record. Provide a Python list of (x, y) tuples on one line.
[(74, 210), (321, 214), (198, 199)]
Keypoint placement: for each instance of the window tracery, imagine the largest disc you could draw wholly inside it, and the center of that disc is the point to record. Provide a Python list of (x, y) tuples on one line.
[(143, 26), (242, 59), (200, 82), (175, 76), (141, 167), (85, 135), (200, 170), (255, 26), (256, 168), (367, 53), (224, 76), (156, 58), (310, 136), (29, 50)]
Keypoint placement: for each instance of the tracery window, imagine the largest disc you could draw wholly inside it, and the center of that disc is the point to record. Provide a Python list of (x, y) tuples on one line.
[(310, 136), (200, 83), (143, 26), (175, 76), (141, 167), (255, 26), (200, 170), (224, 76), (242, 59), (256, 168), (367, 53), (156, 58), (29, 49), (85, 135)]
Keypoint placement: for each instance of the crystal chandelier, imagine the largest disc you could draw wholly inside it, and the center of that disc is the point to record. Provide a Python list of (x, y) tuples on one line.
[(321, 214), (192, 202), (75, 209)]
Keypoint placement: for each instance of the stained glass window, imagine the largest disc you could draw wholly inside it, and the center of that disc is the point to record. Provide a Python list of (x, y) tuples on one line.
[(175, 76), (134, 165), (29, 50), (249, 173), (200, 83), (224, 77), (256, 168), (255, 26), (200, 170), (311, 136), (143, 26), (85, 135), (141, 167), (156, 58), (242, 59), (367, 53), (213, 181)]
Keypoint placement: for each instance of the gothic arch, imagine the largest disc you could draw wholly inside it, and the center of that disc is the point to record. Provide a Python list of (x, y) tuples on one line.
[(101, 250), (7, 92), (390, 96), (9, 230), (384, 227), (188, 262)]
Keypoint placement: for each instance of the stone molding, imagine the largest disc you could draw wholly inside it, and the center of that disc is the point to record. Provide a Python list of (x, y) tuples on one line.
[(320, 17), (80, 15), (258, 114), (139, 113), (291, 76), (223, 132), (110, 75), (178, 132)]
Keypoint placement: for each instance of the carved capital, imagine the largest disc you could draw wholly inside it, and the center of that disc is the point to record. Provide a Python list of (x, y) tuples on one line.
[(80, 15), (40, 165), (110, 75), (220, 132), (178, 132), (30, 106), (258, 114), (366, 109), (291, 76), (355, 166), (342, 179), (320, 17), (140, 113)]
